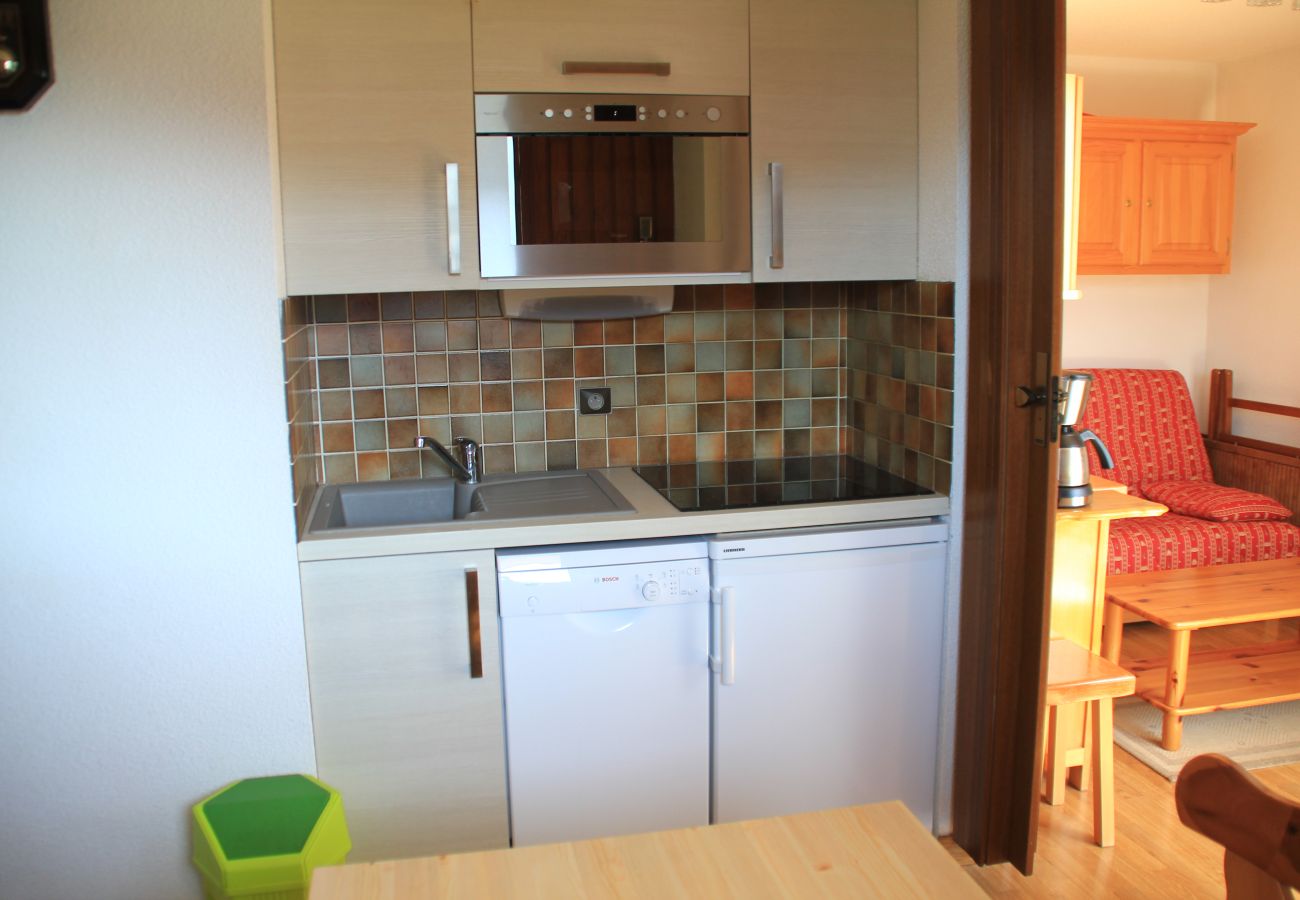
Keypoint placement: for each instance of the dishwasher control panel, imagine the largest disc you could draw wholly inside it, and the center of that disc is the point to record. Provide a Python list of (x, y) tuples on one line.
[(591, 589)]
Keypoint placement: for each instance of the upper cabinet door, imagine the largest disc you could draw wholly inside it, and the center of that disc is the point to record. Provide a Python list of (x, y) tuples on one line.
[(1156, 196), (1187, 191), (1110, 178), (376, 120), (523, 46), (834, 139)]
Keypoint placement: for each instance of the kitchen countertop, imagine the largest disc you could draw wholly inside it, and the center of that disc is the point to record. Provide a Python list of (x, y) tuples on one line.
[(652, 516)]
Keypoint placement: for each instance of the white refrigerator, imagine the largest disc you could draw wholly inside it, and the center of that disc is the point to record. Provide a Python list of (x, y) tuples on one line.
[(825, 658)]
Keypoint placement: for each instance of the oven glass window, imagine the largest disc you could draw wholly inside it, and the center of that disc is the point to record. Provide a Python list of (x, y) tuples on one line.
[(615, 188)]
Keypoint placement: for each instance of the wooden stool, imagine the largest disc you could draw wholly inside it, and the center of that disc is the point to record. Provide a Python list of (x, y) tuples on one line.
[(1076, 676)]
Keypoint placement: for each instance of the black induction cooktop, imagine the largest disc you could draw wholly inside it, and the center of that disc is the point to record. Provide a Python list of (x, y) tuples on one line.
[(738, 484)]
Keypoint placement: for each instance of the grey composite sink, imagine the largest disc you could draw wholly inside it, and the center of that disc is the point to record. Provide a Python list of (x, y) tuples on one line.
[(431, 501)]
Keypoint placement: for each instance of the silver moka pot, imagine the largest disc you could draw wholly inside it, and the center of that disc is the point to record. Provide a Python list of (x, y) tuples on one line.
[(1073, 485)]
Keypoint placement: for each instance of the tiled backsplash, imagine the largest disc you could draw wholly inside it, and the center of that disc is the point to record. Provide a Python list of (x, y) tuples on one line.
[(733, 372), (900, 361)]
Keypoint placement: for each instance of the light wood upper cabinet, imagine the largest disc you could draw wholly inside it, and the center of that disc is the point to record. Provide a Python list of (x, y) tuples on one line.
[(1156, 196), (834, 104), (522, 45), (1110, 186), (374, 101), (413, 743)]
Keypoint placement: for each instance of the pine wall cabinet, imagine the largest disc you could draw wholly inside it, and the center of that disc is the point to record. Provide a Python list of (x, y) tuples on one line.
[(1156, 196)]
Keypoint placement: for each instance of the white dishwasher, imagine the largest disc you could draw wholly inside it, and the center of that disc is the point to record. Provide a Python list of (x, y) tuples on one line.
[(605, 664)]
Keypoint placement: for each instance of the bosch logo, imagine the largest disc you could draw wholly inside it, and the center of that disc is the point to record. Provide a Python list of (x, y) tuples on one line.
[(609, 578)]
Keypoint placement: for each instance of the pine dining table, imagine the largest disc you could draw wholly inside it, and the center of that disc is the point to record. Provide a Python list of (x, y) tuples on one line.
[(876, 850)]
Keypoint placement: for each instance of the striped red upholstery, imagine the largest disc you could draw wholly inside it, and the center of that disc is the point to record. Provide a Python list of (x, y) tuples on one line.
[(1215, 502), (1146, 419), (1181, 542)]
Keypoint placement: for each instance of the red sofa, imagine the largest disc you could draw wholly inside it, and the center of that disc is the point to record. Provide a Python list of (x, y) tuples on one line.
[(1146, 418)]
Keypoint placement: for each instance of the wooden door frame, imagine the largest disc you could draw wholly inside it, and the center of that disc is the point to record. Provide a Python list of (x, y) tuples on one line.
[(1016, 114)]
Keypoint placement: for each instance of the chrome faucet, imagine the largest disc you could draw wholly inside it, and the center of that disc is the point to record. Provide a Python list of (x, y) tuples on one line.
[(466, 472)]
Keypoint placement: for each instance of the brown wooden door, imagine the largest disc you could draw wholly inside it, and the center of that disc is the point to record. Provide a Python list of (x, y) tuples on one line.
[(1017, 128), (1110, 177), (1186, 204)]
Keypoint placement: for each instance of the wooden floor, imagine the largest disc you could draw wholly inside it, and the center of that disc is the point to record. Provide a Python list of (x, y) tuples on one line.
[(1154, 854)]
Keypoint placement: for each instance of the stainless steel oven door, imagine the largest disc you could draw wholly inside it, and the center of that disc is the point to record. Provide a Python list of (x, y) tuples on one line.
[(566, 205)]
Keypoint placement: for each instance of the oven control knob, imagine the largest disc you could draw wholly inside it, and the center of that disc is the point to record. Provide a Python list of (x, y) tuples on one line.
[(650, 590), (663, 113), (681, 113), (550, 113), (568, 114), (713, 113)]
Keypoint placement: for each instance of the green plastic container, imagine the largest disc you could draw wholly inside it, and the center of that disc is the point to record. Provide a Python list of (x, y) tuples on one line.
[(260, 838)]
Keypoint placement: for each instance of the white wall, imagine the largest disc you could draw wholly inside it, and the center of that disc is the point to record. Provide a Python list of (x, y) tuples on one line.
[(1146, 321), (1145, 88), (1254, 313), (944, 255), (151, 648), (1141, 321)]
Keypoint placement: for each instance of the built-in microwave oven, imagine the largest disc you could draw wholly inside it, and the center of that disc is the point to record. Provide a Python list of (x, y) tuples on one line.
[(607, 185)]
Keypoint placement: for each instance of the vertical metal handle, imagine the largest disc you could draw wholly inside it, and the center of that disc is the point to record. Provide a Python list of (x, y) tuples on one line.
[(475, 630), (453, 218), (777, 259), (728, 640)]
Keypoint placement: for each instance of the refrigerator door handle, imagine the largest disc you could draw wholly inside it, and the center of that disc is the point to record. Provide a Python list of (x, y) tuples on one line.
[(715, 625), (728, 638)]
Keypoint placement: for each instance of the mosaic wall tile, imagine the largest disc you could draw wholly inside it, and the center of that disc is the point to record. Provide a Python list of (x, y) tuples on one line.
[(733, 372), (900, 378)]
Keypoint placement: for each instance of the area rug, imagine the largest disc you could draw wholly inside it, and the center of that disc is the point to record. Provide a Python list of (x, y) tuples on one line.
[(1257, 737)]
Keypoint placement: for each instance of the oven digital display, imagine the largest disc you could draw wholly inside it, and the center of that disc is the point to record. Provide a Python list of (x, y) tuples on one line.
[(614, 112)]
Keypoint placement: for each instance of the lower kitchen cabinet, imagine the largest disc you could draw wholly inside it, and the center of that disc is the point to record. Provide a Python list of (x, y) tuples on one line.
[(403, 660)]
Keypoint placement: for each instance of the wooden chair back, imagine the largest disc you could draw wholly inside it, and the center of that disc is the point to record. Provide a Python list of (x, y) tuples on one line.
[(1242, 462), (1258, 828)]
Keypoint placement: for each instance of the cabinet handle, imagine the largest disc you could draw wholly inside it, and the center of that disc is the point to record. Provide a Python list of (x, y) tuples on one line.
[(453, 218), (475, 631), (1148, 204), (576, 67), (1127, 203), (777, 259)]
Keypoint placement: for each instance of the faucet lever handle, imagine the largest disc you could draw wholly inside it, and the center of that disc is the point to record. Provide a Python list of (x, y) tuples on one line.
[(469, 455)]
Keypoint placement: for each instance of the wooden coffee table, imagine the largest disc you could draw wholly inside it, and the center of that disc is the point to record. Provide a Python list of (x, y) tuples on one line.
[(1184, 600)]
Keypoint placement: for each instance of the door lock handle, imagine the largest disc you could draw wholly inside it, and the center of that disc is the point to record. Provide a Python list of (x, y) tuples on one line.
[(1027, 396)]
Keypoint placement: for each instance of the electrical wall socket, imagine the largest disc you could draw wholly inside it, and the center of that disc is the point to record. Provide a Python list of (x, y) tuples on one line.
[(593, 401)]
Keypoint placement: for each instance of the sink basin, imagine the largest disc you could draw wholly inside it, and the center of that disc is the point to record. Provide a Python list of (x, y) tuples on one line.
[(382, 504), (431, 501)]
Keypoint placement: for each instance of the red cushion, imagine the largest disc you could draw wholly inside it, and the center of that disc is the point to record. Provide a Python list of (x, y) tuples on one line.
[(1215, 502), (1180, 542), (1146, 419)]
